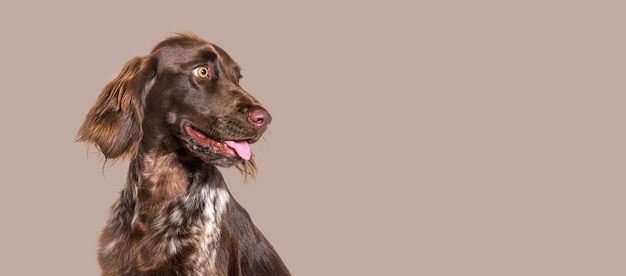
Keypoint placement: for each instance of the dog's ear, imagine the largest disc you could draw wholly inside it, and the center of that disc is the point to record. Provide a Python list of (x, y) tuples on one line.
[(114, 122)]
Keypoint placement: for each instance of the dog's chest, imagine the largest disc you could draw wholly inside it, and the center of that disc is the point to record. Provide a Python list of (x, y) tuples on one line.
[(195, 223), (207, 230)]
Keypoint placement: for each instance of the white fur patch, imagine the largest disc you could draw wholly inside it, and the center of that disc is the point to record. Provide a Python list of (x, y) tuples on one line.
[(171, 117), (216, 201), (176, 217)]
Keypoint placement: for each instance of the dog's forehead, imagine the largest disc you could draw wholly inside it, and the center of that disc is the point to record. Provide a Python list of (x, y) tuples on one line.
[(183, 53), (223, 54)]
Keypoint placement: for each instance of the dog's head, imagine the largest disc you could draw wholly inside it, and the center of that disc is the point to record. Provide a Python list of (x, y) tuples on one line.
[(183, 96)]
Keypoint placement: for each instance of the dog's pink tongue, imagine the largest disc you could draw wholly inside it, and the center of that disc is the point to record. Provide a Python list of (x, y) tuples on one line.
[(242, 148)]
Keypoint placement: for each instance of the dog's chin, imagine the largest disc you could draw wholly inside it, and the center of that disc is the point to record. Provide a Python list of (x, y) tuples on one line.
[(209, 150), (214, 152)]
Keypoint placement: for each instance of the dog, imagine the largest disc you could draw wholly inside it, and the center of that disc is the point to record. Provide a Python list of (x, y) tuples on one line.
[(177, 114)]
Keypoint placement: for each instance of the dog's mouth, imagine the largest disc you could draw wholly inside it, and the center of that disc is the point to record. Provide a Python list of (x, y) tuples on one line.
[(228, 147)]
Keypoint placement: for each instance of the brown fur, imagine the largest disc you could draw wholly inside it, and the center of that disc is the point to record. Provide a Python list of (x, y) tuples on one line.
[(175, 215)]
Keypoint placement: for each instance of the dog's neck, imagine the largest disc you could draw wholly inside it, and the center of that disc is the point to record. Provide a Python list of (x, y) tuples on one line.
[(159, 179), (179, 193)]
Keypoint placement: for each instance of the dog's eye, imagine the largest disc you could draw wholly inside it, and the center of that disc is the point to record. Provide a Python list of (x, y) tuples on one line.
[(202, 72)]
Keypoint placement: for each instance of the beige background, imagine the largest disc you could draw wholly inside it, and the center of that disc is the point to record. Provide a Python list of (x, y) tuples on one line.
[(431, 138)]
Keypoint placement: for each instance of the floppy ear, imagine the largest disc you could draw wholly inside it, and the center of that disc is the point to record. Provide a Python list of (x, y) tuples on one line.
[(114, 122)]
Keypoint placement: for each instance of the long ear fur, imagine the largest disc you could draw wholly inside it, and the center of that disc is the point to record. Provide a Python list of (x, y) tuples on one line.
[(114, 122)]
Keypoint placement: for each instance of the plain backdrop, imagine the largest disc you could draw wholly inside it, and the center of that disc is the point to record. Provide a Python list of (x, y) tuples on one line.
[(409, 137)]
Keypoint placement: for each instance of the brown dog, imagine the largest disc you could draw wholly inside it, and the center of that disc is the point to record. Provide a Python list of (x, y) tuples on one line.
[(177, 113)]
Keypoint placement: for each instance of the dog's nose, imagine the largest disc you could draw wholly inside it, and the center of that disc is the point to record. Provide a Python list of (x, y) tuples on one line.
[(259, 117)]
